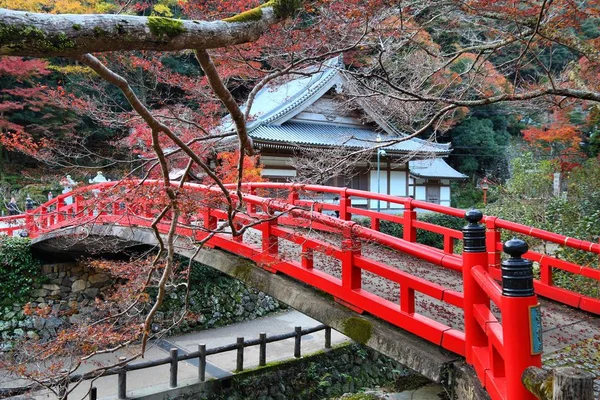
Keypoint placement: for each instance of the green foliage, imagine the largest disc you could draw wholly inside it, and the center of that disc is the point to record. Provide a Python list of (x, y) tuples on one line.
[(591, 28), (466, 195), (480, 147), (18, 268), (527, 198)]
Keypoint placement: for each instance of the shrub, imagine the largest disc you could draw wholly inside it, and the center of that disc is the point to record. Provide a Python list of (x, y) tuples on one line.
[(18, 268)]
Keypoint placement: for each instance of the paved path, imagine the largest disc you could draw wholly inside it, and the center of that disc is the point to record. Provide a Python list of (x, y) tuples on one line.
[(219, 364)]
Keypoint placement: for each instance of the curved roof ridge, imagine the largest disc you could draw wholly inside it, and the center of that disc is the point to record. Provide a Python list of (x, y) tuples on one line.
[(330, 70)]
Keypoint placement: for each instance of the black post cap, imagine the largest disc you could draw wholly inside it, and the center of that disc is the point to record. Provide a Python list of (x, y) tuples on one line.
[(517, 273), (473, 233), (515, 247), (473, 216)]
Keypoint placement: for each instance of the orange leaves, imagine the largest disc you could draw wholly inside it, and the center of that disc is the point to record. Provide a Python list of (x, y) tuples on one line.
[(567, 136), (228, 168), (560, 140), (21, 141)]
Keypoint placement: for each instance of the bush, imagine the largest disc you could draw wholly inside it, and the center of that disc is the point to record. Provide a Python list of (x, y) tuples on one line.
[(18, 268)]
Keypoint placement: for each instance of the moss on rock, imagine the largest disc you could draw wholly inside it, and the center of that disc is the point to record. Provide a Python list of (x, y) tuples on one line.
[(358, 329), (165, 27)]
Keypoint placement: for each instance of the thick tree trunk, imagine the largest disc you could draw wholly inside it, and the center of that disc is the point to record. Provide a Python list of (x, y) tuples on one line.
[(49, 35)]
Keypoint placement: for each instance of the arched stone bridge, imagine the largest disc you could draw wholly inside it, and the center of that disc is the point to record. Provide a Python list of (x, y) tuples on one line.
[(440, 313)]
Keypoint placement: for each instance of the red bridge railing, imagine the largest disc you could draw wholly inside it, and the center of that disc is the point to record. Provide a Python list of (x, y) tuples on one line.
[(497, 347)]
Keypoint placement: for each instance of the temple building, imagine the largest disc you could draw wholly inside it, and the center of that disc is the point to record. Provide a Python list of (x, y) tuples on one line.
[(310, 112)]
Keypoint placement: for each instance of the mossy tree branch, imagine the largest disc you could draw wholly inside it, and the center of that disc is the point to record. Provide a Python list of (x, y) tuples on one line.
[(50, 35)]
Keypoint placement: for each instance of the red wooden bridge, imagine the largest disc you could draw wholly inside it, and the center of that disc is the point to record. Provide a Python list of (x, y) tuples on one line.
[(290, 229)]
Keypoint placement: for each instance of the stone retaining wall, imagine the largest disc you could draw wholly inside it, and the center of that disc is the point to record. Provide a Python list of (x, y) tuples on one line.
[(69, 291)]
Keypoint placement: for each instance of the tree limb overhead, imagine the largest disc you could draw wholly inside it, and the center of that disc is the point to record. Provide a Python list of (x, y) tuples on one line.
[(49, 35)]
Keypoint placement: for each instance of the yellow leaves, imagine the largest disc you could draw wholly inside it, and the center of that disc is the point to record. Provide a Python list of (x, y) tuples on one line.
[(71, 69), (56, 6), (162, 10)]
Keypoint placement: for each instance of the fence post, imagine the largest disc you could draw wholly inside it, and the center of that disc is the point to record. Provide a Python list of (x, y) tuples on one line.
[(122, 381), (262, 356), (173, 369), (93, 393), (202, 362), (298, 342), (410, 232), (474, 254), (328, 337), (521, 319), (240, 355), (307, 257)]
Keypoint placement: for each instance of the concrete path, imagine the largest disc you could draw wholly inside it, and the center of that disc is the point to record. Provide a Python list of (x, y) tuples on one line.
[(219, 365)]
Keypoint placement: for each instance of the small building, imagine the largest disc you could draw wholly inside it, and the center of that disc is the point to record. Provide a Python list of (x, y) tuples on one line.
[(290, 117)]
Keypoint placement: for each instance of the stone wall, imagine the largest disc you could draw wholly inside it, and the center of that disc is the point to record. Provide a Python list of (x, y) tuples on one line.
[(68, 292), (69, 285), (332, 373)]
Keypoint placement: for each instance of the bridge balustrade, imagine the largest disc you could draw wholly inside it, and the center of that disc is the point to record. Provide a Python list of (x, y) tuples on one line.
[(498, 347)]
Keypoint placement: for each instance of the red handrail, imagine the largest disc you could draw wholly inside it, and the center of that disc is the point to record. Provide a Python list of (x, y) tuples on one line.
[(495, 349)]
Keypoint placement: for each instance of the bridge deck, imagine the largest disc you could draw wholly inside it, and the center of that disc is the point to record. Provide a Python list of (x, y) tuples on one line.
[(571, 336), (365, 275)]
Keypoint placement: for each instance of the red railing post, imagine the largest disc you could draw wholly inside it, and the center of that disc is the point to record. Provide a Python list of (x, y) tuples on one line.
[(79, 205), (492, 238), (60, 213), (238, 226), (410, 232), (29, 221), (293, 196), (251, 206), (307, 257), (345, 203), (521, 319), (351, 274), (209, 221), (448, 244), (270, 242), (474, 254)]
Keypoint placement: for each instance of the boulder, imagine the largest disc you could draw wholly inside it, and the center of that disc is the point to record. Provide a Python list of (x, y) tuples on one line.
[(50, 286), (98, 278), (79, 285)]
